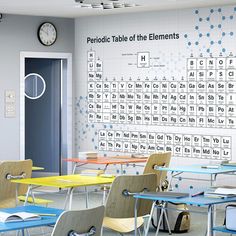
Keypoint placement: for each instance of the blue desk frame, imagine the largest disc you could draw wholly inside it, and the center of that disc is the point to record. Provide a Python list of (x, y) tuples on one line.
[(200, 201), (44, 221), (197, 169)]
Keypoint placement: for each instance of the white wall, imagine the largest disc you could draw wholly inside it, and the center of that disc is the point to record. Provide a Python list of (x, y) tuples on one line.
[(19, 33)]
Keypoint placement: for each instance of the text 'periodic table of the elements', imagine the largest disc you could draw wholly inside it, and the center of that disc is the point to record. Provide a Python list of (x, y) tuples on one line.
[(205, 98)]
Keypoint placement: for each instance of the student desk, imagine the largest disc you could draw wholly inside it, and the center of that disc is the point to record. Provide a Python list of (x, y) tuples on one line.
[(121, 160), (69, 182), (35, 168), (44, 221), (197, 169), (200, 201)]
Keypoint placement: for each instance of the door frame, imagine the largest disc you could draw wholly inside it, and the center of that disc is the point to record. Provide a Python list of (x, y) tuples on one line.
[(66, 109)]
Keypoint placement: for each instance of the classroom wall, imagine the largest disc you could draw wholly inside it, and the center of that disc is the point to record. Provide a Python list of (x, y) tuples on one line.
[(19, 33), (157, 81)]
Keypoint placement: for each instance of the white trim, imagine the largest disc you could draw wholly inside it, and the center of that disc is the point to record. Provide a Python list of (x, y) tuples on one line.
[(55, 55)]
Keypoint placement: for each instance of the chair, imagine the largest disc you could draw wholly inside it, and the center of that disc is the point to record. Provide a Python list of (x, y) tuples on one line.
[(73, 223), (158, 159), (8, 171), (119, 212)]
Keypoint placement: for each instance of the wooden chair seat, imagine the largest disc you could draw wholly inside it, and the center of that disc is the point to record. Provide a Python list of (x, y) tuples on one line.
[(122, 225), (8, 203)]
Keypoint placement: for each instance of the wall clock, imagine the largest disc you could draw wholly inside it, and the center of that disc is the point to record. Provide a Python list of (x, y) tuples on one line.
[(47, 33)]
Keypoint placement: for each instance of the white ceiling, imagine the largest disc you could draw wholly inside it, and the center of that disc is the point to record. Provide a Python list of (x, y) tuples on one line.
[(67, 8)]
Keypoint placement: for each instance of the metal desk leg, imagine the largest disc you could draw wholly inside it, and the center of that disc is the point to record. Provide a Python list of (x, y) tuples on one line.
[(135, 216), (210, 221), (150, 218), (69, 195), (29, 190), (70, 199), (87, 197)]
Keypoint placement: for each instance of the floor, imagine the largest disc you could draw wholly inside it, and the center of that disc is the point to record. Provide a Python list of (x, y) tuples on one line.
[(198, 221)]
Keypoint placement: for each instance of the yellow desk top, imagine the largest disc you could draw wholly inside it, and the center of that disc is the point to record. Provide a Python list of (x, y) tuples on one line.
[(65, 181)]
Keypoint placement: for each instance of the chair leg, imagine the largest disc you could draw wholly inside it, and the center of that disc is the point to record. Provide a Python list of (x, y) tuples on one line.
[(139, 232)]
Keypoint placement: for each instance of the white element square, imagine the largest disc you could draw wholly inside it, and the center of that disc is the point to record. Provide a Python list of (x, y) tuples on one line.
[(187, 140), (160, 148), (98, 107), (118, 135), (231, 63), (221, 99), (196, 152), (173, 98), (102, 145), (225, 142), (114, 107), (134, 147), (151, 148), (114, 87), (206, 141), (142, 137), (231, 75), (98, 76), (211, 121), (147, 119), (98, 87), (110, 135), (106, 97), (216, 141), (192, 87), (142, 147), (164, 98), (211, 75), (114, 97), (126, 146), (201, 110), (164, 87), (91, 86), (130, 118), (122, 107), (201, 121), (98, 117), (187, 151), (114, 117), (99, 65), (182, 87), (211, 87), (173, 109), (151, 137), (201, 75), (122, 86), (221, 87), (138, 119), (91, 76), (221, 63), (143, 60), (126, 135), (201, 86), (192, 121), (138, 108), (182, 120), (130, 87), (220, 75), (156, 87), (155, 119), (192, 75), (134, 136), (192, 63), (110, 146), (122, 97), (173, 87), (147, 87), (118, 146), (192, 109), (138, 86), (147, 97), (211, 98), (231, 87), (91, 107), (201, 63), (91, 55), (156, 98), (169, 148), (211, 110), (130, 108), (226, 153), (211, 64), (91, 97), (173, 120), (91, 117), (169, 139), (206, 152), (91, 66), (178, 150), (216, 153), (196, 140), (102, 134), (164, 109), (221, 121), (130, 97), (183, 109), (231, 122), (138, 97), (164, 119), (231, 99), (106, 86)]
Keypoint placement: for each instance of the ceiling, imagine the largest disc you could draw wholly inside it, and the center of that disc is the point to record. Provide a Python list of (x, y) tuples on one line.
[(70, 9)]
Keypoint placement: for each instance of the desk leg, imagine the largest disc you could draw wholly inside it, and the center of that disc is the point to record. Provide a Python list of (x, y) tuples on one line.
[(150, 218), (27, 194), (210, 221), (121, 169), (71, 196), (135, 216), (87, 197)]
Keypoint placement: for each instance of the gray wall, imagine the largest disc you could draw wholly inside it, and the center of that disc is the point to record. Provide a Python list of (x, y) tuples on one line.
[(19, 33)]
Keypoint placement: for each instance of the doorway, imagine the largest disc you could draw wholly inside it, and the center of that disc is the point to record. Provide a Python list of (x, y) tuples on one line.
[(46, 110)]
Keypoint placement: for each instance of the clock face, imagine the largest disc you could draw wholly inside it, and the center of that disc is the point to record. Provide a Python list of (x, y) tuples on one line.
[(47, 34)]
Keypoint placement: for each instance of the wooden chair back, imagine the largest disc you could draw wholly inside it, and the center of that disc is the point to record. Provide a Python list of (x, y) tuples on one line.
[(9, 170), (158, 159), (81, 222), (119, 205)]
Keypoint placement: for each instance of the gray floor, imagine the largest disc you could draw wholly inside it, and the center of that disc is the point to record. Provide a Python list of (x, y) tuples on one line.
[(198, 221)]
